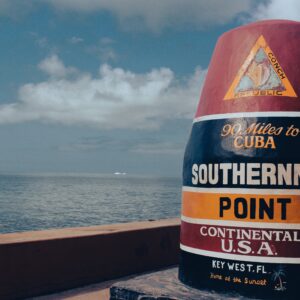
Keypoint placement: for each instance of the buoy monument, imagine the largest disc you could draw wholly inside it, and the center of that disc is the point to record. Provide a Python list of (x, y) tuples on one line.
[(240, 227)]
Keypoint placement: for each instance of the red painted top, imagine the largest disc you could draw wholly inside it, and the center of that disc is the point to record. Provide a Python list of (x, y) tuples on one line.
[(255, 68)]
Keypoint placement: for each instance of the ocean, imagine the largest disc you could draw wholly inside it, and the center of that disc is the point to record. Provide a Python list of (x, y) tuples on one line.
[(44, 201)]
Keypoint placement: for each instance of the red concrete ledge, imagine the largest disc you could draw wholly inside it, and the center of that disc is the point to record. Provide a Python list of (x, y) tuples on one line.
[(41, 262)]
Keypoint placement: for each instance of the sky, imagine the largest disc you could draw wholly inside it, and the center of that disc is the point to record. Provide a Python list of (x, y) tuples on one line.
[(104, 86)]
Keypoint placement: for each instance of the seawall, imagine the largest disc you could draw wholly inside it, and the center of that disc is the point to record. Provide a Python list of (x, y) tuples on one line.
[(42, 262)]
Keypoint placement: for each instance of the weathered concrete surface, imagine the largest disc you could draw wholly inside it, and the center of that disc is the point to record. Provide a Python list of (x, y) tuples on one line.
[(162, 285), (91, 292), (43, 262)]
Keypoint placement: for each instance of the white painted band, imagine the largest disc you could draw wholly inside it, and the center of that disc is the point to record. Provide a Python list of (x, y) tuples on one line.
[(260, 259), (216, 190), (241, 224), (248, 115)]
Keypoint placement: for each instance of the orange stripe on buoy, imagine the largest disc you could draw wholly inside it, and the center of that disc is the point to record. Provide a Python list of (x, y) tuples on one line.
[(242, 207)]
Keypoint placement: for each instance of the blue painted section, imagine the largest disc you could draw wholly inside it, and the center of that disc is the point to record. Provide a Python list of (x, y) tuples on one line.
[(206, 146)]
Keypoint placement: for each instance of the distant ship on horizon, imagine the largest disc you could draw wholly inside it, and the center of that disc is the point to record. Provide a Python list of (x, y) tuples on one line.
[(120, 173)]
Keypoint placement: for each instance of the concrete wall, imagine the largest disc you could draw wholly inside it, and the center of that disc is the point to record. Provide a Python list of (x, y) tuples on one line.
[(41, 262)]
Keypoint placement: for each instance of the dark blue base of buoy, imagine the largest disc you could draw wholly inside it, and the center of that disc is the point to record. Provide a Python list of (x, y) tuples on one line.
[(194, 271), (163, 285)]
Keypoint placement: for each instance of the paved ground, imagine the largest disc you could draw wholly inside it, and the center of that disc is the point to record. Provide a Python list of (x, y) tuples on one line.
[(92, 292), (164, 284)]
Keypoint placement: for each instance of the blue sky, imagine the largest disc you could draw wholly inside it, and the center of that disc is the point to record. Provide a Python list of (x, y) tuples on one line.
[(105, 86)]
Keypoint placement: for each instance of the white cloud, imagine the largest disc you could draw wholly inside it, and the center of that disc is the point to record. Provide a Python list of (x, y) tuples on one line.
[(278, 9), (42, 42), (106, 41), (53, 66), (166, 147), (116, 98), (107, 54), (157, 15), (140, 145), (103, 50), (14, 8), (4, 4), (75, 40)]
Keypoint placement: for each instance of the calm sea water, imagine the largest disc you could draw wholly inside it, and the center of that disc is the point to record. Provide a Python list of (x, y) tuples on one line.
[(35, 202)]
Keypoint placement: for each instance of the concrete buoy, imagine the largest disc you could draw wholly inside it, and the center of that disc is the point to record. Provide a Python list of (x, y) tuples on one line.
[(240, 229)]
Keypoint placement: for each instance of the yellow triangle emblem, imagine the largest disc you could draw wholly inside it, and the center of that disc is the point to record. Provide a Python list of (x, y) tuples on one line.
[(260, 75)]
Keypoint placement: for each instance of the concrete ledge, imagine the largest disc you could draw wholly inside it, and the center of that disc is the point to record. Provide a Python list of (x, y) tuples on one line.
[(163, 285), (41, 262)]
